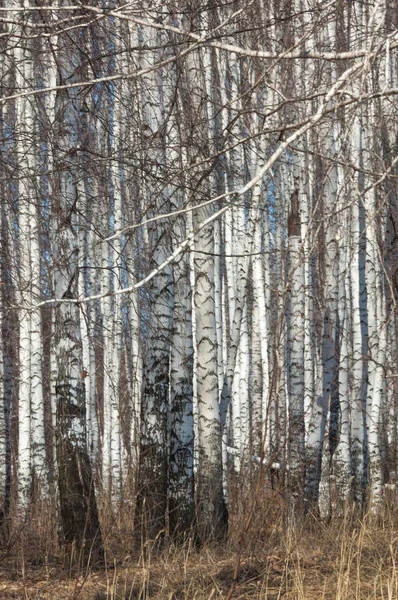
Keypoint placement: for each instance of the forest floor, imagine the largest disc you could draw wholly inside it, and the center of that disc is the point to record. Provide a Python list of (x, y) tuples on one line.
[(347, 558)]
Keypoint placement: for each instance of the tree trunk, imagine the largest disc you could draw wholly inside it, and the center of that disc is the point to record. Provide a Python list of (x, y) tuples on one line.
[(78, 509)]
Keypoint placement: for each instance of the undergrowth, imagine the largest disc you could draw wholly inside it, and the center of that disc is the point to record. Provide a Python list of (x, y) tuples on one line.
[(271, 554)]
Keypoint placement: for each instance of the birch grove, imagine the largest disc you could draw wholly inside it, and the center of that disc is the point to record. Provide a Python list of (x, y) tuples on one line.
[(198, 260)]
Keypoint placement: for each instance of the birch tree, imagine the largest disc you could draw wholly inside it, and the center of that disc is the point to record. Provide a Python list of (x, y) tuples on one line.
[(78, 508), (153, 478), (295, 360), (203, 198)]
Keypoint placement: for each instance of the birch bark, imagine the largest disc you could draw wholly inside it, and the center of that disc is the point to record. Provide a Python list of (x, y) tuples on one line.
[(295, 353), (31, 444), (153, 469), (78, 510)]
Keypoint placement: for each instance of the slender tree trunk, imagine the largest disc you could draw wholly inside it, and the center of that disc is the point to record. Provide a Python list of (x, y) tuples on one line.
[(31, 445), (181, 481), (295, 366), (78, 510), (154, 451), (212, 514), (181, 503)]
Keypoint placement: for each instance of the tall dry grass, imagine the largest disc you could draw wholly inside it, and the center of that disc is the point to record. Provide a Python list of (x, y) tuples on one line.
[(271, 553)]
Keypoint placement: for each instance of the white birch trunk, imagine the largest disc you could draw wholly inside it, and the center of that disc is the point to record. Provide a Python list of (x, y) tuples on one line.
[(181, 433), (295, 365), (154, 451), (31, 445), (78, 510), (341, 460), (209, 485), (377, 333)]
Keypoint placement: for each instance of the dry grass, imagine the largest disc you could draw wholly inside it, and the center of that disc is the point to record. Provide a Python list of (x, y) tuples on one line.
[(267, 557)]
